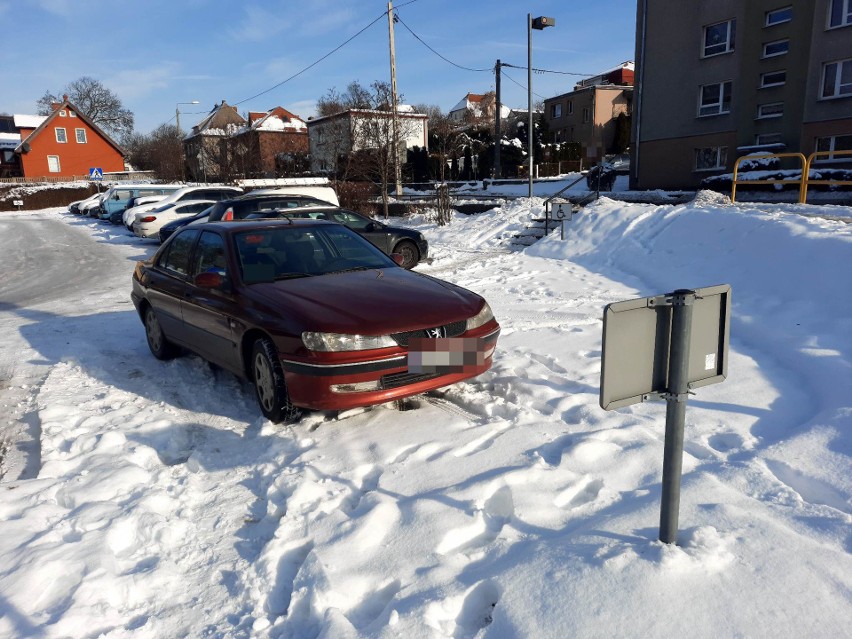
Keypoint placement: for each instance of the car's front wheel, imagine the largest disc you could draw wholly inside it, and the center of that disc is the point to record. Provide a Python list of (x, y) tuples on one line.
[(409, 252), (160, 347), (268, 377)]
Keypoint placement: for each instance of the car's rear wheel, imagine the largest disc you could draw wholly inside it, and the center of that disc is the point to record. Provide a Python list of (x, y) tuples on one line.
[(160, 347), (268, 377), (409, 252)]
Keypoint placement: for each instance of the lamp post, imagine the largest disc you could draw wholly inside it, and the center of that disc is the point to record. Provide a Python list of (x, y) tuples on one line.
[(177, 112), (532, 23)]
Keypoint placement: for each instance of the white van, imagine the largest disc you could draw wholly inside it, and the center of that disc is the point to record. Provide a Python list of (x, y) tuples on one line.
[(119, 195)]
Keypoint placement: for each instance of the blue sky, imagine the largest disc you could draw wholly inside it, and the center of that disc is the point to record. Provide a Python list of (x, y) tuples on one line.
[(157, 53)]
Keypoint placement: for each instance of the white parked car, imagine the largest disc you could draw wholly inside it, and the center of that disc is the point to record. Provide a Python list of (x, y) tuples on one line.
[(187, 193), (74, 207), (90, 208), (147, 224)]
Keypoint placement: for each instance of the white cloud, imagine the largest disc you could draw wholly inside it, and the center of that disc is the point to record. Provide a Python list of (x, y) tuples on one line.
[(304, 108), (131, 84), (260, 24)]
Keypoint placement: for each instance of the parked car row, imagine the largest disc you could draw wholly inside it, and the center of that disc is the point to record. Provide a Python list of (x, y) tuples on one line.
[(303, 298), (157, 211)]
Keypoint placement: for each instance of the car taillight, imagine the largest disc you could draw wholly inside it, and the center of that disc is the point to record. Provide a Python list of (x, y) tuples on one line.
[(149, 218), (229, 215)]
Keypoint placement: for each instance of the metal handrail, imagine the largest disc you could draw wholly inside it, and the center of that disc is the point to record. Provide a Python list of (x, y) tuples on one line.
[(809, 181), (802, 181)]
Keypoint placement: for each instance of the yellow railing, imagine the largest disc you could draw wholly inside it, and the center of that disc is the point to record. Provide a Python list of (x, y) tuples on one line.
[(809, 181), (802, 181)]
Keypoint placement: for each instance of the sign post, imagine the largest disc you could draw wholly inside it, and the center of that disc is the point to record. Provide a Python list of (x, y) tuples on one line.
[(662, 347)]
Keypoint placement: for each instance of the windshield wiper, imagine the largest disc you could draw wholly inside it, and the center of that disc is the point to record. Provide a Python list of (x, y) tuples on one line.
[(290, 276)]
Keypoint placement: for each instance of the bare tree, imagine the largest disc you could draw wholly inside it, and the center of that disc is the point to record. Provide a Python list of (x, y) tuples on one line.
[(95, 101), (160, 152)]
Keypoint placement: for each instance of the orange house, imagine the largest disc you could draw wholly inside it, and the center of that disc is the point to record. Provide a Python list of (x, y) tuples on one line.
[(66, 144)]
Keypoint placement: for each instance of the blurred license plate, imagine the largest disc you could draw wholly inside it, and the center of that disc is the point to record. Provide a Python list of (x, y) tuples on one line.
[(445, 355)]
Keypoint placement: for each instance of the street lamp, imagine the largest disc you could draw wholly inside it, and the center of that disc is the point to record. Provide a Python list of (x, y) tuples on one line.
[(533, 23), (177, 112)]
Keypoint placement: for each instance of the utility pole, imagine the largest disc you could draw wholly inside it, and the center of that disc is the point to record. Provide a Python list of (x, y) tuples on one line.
[(497, 136), (395, 106)]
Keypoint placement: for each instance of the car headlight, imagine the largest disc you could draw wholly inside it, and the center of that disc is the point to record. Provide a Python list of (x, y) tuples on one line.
[(482, 317), (331, 342)]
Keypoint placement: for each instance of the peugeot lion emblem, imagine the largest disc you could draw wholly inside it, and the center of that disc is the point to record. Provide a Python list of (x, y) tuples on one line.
[(436, 332)]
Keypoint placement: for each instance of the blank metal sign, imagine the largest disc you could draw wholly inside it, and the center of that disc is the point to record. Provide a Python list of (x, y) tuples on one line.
[(637, 338)]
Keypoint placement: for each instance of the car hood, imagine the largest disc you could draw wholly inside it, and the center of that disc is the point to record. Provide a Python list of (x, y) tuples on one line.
[(374, 302)]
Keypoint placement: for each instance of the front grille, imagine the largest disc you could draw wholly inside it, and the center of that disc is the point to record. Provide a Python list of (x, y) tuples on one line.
[(452, 330), (395, 380)]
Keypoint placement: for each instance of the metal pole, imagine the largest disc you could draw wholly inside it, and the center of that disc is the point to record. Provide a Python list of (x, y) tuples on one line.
[(682, 303), (529, 102), (177, 117), (497, 135), (396, 168)]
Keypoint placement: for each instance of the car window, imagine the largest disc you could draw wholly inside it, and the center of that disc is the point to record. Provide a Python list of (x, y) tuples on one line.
[(351, 220), (176, 259), (210, 255)]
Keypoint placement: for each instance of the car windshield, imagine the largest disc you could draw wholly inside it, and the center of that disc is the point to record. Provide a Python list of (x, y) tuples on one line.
[(287, 252)]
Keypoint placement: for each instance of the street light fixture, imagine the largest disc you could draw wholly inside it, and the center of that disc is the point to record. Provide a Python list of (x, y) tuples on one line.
[(177, 112), (533, 23)]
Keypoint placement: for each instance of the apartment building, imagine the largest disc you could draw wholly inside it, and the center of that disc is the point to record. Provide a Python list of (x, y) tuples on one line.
[(588, 114), (719, 79)]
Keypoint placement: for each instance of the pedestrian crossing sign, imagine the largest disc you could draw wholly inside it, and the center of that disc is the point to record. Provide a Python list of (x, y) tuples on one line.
[(96, 173)]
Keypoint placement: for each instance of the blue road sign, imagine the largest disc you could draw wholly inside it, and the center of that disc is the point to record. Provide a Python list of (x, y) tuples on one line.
[(96, 173)]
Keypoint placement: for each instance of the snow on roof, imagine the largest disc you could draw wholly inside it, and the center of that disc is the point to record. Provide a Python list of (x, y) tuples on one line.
[(272, 122), (9, 140), (29, 121)]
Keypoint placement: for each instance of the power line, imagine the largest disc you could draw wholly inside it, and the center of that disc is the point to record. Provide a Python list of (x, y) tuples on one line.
[(583, 75), (419, 39), (511, 79), (313, 64)]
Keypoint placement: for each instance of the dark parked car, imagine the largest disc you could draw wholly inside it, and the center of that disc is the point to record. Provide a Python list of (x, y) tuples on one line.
[(242, 207), (311, 313), (411, 244)]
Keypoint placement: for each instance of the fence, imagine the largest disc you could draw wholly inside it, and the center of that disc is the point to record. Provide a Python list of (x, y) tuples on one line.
[(123, 176)]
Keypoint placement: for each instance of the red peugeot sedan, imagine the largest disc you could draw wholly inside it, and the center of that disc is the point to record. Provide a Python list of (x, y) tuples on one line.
[(312, 313)]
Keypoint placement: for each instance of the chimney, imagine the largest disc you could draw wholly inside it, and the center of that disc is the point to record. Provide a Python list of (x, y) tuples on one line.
[(54, 106)]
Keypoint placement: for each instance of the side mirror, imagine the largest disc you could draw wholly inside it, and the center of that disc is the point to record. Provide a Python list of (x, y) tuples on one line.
[(370, 227), (115, 197), (209, 280), (398, 258)]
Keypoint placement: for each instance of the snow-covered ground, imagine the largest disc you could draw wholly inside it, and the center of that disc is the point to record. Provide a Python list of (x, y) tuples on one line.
[(159, 503)]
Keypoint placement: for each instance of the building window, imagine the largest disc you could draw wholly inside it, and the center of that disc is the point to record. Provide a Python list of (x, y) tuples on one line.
[(778, 16), (773, 110), (71, 114), (719, 38), (834, 143), (773, 79), (772, 49), (556, 111), (60, 135), (586, 115), (570, 107), (837, 79), (840, 13), (714, 99), (767, 138), (711, 159), (81, 135), (53, 163)]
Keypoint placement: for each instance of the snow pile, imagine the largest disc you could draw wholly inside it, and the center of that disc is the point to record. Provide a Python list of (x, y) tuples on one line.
[(507, 506)]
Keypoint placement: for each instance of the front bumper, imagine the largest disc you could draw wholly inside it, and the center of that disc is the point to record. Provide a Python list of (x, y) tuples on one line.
[(310, 385)]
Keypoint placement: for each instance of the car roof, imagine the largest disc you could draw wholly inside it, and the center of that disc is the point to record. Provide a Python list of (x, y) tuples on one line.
[(236, 226)]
